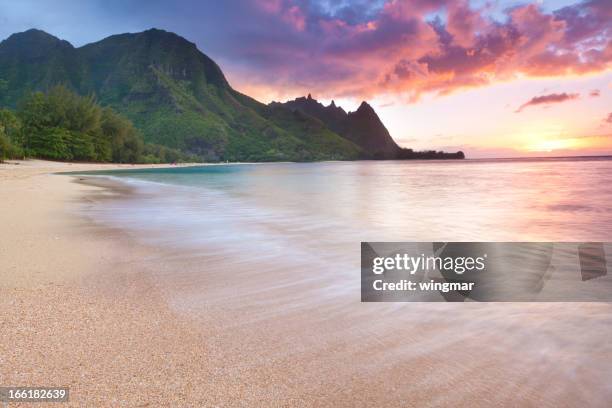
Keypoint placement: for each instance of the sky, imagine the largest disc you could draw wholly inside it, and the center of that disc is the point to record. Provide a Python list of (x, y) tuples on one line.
[(494, 78)]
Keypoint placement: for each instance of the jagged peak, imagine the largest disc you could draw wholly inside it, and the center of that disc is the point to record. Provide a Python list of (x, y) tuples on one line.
[(365, 108), (307, 99), (364, 105)]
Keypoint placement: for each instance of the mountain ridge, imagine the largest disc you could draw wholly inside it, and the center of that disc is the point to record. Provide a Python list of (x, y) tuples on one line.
[(362, 126), (179, 97)]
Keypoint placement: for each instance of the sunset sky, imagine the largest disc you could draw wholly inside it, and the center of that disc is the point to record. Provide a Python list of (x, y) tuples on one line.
[(492, 78)]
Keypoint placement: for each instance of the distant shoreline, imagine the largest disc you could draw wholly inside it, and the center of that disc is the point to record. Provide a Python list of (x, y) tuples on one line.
[(38, 165)]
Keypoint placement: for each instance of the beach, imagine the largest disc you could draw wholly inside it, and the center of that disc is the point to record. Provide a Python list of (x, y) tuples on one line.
[(125, 321), (62, 322)]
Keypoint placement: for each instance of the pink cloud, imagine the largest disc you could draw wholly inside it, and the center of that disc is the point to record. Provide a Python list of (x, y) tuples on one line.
[(295, 17), (463, 23), (548, 100), (403, 48)]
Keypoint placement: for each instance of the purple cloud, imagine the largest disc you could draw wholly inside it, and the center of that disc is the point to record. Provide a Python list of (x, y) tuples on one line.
[(548, 100), (359, 48)]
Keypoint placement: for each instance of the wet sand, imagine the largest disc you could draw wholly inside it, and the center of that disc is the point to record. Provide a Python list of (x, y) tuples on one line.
[(121, 324)]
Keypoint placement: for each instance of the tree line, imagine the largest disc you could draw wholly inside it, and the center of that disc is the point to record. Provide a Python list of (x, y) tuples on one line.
[(62, 125)]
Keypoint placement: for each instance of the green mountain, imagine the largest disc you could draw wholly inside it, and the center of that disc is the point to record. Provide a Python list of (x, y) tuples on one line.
[(35, 60), (362, 127), (176, 95), (179, 98)]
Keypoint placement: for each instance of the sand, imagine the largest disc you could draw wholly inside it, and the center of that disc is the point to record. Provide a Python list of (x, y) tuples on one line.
[(89, 307), (74, 308)]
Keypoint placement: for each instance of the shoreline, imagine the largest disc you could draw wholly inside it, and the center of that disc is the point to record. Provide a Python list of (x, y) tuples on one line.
[(126, 324)]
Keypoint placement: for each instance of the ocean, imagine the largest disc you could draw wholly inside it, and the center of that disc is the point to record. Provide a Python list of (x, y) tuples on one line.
[(342, 202), (267, 257)]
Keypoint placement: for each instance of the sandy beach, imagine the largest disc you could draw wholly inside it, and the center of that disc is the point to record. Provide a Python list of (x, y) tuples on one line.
[(76, 310), (91, 308)]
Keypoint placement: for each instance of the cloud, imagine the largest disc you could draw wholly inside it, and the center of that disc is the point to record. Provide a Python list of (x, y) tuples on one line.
[(548, 100), (609, 118), (595, 93), (362, 48), (439, 46)]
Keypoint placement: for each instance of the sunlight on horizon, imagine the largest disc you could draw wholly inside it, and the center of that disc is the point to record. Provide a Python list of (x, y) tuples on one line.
[(551, 145), (483, 121)]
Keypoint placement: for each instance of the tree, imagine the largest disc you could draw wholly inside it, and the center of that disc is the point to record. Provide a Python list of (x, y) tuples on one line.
[(9, 135), (5, 146), (62, 125), (125, 141), (51, 143), (10, 124)]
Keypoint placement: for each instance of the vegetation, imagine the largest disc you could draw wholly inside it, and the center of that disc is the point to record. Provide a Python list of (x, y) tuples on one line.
[(176, 96), (178, 100), (409, 154), (61, 125), (10, 133)]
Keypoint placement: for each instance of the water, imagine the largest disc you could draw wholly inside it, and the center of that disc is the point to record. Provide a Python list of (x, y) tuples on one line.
[(267, 255), (508, 200), (313, 216)]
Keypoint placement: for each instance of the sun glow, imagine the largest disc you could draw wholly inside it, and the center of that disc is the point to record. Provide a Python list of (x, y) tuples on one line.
[(552, 145)]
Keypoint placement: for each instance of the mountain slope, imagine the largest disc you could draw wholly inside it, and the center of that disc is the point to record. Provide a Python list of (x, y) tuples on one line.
[(174, 94), (179, 98), (363, 127), (35, 60)]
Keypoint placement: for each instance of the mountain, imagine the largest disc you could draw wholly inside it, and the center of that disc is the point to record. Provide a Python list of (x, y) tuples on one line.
[(35, 60), (178, 97), (362, 127)]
